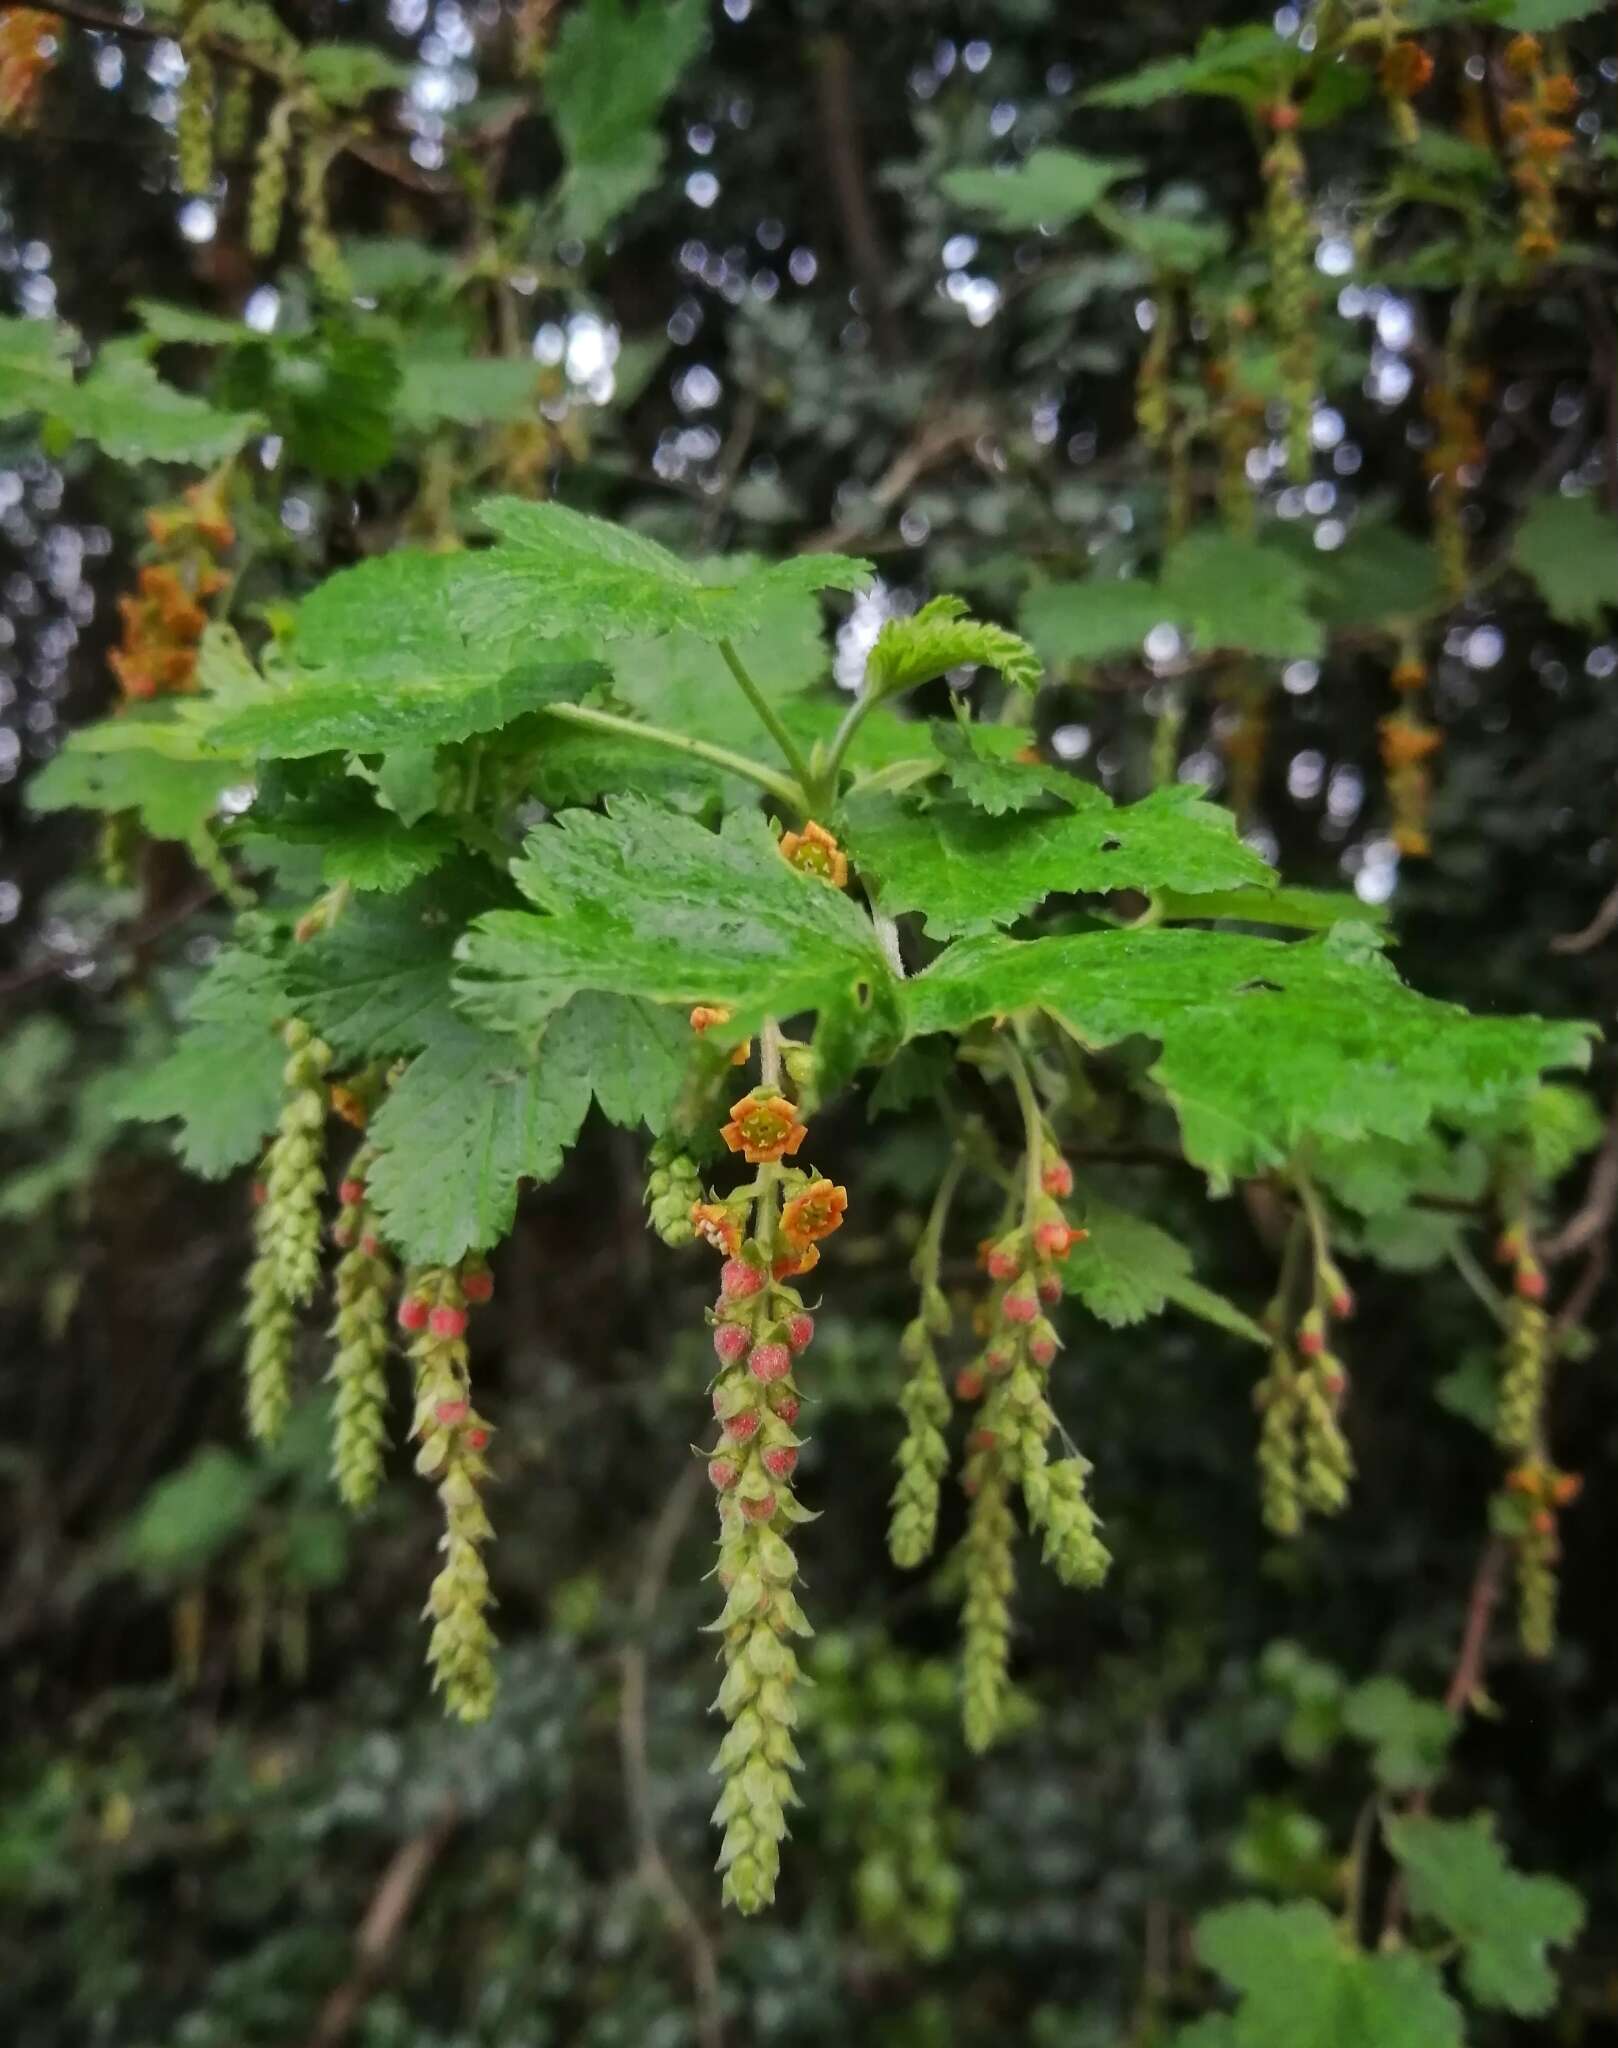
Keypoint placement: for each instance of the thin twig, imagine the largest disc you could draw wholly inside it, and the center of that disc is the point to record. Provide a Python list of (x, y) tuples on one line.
[(651, 1866), (139, 933), (845, 166), (378, 1933), (1601, 926), (1466, 1678), (1593, 1217)]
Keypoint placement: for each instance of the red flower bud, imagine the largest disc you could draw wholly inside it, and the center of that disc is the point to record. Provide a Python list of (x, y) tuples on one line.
[(342, 1233), (981, 1440), (1311, 1337), (446, 1321), (371, 1245), (1042, 1344), (478, 1286), (1342, 1304), (1049, 1288), (784, 1405), (1542, 1522), (1056, 1176), (450, 1413), (412, 1313), (1529, 1280), (351, 1193), (259, 1194), (780, 1462), (721, 1473), (742, 1428), (1019, 1304), (730, 1342), (1335, 1382), (738, 1280), (1053, 1239), (968, 1383), (758, 1507), (477, 1439), (800, 1330), (1003, 1261), (768, 1362), (998, 1359)]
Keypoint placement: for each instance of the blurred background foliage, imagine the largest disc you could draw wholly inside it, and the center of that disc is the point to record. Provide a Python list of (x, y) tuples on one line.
[(753, 307)]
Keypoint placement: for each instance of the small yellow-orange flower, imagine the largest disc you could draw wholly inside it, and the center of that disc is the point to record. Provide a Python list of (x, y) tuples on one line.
[(814, 851), (815, 1211), (1558, 94), (1406, 69), (707, 1017), (1405, 741), (1412, 842), (793, 1265), (1547, 143), (763, 1126), (1523, 56), (717, 1226), (1409, 674)]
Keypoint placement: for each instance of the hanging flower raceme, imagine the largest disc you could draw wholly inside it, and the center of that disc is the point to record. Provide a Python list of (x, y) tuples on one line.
[(1290, 237), (1454, 461), (1304, 1461), (286, 1267), (1407, 747), (30, 38), (1406, 70), (1154, 394), (766, 1233), (672, 1187), (363, 1286), (451, 1438), (163, 621), (1520, 1412), (1535, 122)]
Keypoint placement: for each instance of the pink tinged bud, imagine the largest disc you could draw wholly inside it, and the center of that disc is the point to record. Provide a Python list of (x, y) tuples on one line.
[(342, 1234), (781, 1462), (1342, 1304), (1003, 1262), (739, 1281), (997, 1358), (1053, 1239), (351, 1193), (1050, 1288), (371, 1245), (730, 1342), (412, 1313), (445, 1321), (742, 1428), (1334, 1383), (450, 1413), (1042, 1346), (758, 1507), (1019, 1304), (784, 1405), (800, 1331), (968, 1384), (981, 1440), (721, 1474), (478, 1288), (1530, 1280), (1056, 1177), (1311, 1342), (768, 1362), (478, 1439), (260, 1194)]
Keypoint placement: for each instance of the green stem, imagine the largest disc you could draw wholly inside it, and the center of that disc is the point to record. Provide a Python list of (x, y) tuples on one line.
[(1033, 1133), (770, 718), (925, 1265), (845, 732), (779, 786)]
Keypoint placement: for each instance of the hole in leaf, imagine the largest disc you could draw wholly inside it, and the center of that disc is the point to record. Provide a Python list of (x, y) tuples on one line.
[(1112, 846), (1253, 988)]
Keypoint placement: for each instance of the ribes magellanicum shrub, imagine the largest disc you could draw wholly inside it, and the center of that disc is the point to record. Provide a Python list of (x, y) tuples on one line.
[(565, 817)]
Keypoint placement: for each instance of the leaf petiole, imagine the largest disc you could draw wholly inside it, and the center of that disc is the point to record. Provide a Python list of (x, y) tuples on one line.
[(770, 718), (781, 787)]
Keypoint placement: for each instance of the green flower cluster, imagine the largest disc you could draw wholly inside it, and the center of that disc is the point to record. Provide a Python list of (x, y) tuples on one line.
[(363, 1285), (286, 1266)]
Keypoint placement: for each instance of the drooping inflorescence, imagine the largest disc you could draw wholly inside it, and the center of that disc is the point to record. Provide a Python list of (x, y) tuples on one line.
[(451, 1438), (1526, 1509), (769, 1234), (1304, 1461), (164, 618), (1289, 237), (286, 1267), (363, 1287)]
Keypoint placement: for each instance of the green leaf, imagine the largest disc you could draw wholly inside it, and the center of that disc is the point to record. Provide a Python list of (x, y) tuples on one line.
[(982, 764), (1262, 1043), (223, 1078), (1127, 1269), (1091, 621), (132, 416), (1248, 64), (1049, 189), (1303, 1985), (347, 74), (1458, 1875), (1539, 17), (1569, 546), (560, 571), (1169, 242), (1563, 1125), (967, 871), (464, 391), (1302, 910), (605, 83), (1379, 579), (36, 366), (378, 981), (474, 1116), (644, 902), (174, 798), (366, 847), (938, 638), (1240, 594), (1409, 1736), (191, 1516), (311, 715), (330, 393)]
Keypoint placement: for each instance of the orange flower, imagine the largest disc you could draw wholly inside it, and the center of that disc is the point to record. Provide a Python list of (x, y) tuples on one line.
[(28, 43), (1405, 741), (763, 1126), (1409, 674), (1537, 245), (717, 1226), (1547, 143), (1558, 94), (795, 1264), (1522, 56), (707, 1017), (349, 1105), (815, 1211), (206, 504), (1406, 70), (1412, 842), (814, 851)]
